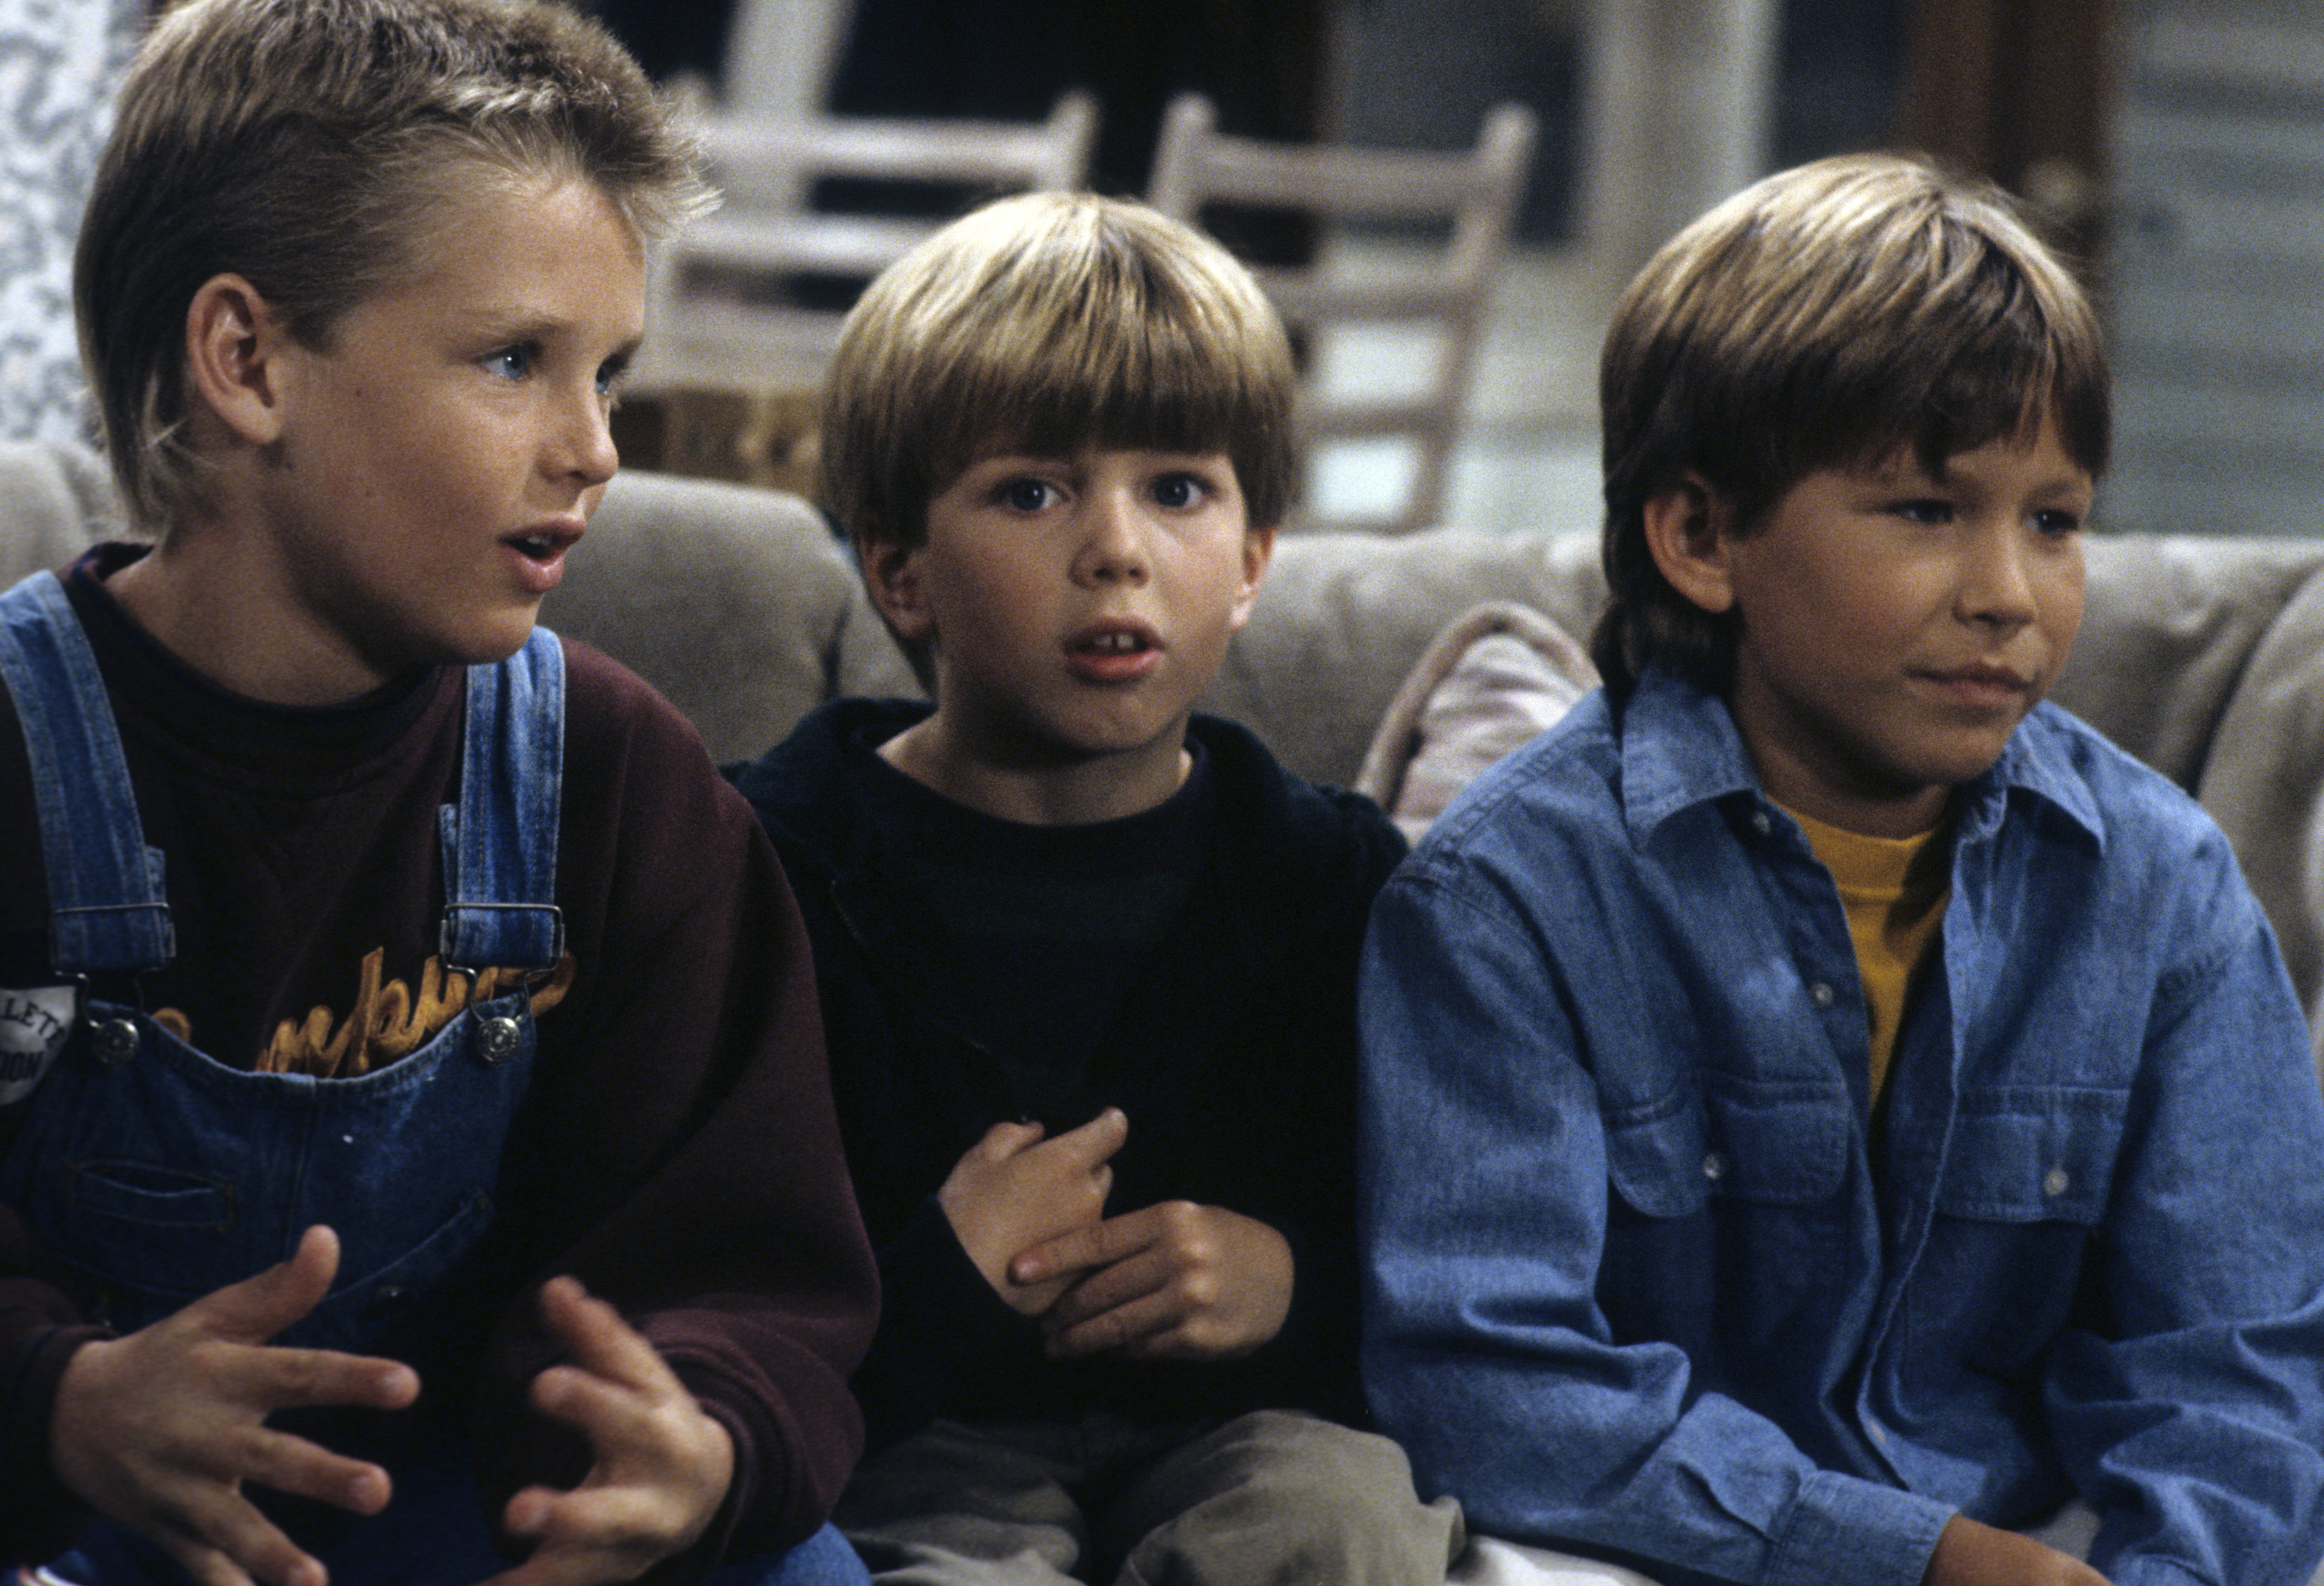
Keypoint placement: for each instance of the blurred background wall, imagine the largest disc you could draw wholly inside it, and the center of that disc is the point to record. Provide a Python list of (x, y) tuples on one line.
[(2179, 144)]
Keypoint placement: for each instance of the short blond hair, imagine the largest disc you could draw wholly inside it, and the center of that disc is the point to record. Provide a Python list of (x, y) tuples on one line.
[(1044, 323), (302, 145), (1825, 317)]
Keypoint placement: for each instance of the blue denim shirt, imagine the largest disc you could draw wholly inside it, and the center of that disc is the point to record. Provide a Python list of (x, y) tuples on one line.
[(1641, 1279)]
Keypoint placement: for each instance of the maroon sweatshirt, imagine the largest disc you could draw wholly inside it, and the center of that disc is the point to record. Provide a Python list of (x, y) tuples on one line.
[(676, 1151)]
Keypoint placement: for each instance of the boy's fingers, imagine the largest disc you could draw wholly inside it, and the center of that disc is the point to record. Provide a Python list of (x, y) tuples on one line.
[(261, 1305), (205, 1565), (602, 1343), (1117, 1327), (1107, 1288), (280, 1379), (1100, 1244), (1006, 1140), (612, 1415), (583, 1538), (1099, 1139), (305, 1470), (232, 1545)]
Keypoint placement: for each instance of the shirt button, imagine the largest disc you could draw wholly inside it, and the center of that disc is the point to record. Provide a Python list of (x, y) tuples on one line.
[(1819, 995), (2057, 1182), (1714, 1167), (1760, 822)]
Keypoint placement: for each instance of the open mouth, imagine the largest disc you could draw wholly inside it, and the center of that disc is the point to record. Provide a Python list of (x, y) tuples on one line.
[(541, 545), (1108, 654)]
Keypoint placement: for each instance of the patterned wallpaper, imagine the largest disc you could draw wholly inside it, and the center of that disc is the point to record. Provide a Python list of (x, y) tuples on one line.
[(58, 61)]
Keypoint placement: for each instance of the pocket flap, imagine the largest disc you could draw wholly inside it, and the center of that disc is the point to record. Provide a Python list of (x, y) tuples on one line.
[(2033, 1155), (1656, 1164), (1782, 1147), (1775, 1147)]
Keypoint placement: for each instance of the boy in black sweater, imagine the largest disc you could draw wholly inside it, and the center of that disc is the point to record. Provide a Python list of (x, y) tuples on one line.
[(1081, 951)]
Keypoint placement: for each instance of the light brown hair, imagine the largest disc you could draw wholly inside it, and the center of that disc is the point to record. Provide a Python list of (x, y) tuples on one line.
[(1828, 315), (1043, 324), (302, 145)]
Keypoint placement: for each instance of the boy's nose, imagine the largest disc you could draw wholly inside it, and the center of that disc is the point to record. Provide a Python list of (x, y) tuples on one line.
[(1113, 544), (587, 441), (1996, 586)]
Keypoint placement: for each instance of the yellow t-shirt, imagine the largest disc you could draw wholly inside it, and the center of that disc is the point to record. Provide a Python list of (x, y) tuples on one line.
[(1894, 890)]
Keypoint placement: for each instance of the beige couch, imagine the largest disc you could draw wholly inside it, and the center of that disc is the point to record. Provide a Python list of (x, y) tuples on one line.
[(2202, 655)]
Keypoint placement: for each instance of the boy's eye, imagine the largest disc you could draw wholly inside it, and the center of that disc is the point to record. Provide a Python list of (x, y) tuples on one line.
[(2056, 522), (1025, 495), (1926, 510), (1175, 490), (513, 362), (609, 375)]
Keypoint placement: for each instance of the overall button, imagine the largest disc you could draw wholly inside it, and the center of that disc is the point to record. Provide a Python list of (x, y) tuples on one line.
[(117, 1042), (496, 1039), (1714, 1167), (2057, 1182), (1821, 994)]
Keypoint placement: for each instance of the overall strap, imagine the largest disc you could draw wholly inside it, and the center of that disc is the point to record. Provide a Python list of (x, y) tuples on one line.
[(500, 840), (107, 912)]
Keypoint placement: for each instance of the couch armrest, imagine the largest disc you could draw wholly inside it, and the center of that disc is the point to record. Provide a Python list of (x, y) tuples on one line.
[(2263, 782)]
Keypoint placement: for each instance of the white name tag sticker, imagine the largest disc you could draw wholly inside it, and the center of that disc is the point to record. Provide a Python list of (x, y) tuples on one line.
[(34, 1023)]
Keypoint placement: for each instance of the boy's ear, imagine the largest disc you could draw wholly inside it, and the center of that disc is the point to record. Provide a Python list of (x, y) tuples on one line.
[(891, 577), (233, 342), (1258, 551), (1689, 529)]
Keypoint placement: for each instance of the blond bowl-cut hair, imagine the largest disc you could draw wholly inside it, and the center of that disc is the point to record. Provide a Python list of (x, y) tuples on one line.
[(1043, 324), (1829, 316), (304, 144)]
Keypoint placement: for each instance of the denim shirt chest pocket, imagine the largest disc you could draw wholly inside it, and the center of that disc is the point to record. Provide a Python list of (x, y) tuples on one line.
[(1767, 1144), (1706, 1175), (2027, 1177)]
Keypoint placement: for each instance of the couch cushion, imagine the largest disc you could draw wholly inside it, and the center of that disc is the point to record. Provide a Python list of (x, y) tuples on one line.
[(1343, 619), (58, 500), (731, 601), (2167, 629)]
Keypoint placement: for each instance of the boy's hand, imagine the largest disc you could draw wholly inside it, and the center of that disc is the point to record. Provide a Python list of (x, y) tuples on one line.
[(663, 1465), (159, 1430), (1970, 1553), (1013, 1190), (1176, 1281)]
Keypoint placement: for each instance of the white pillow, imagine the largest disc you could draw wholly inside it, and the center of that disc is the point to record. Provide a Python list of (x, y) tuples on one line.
[(1498, 674)]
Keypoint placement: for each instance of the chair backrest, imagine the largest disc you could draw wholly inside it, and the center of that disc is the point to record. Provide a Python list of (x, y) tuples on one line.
[(720, 315), (1441, 290)]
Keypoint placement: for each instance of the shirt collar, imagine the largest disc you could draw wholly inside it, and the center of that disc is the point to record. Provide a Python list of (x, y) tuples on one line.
[(1679, 748)]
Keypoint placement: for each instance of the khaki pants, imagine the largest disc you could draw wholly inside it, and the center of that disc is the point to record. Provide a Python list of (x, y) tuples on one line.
[(1269, 1499)]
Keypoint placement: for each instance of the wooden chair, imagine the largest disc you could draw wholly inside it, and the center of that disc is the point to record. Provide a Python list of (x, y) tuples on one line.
[(1477, 192), (721, 315)]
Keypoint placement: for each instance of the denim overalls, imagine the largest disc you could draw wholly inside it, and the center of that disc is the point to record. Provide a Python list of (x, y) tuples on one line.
[(159, 1175)]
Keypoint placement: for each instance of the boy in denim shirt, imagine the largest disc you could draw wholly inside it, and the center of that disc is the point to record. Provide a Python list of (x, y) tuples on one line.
[(1088, 957), (1825, 1106)]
